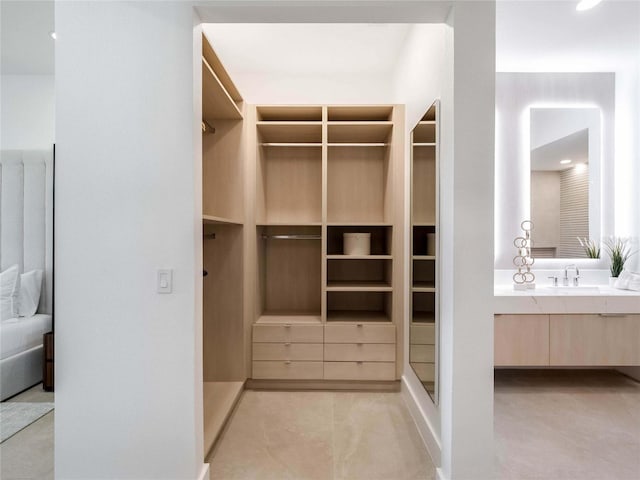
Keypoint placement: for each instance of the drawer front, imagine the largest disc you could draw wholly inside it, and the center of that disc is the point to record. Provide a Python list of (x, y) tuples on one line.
[(287, 351), (595, 340), (423, 334), (422, 353), (354, 352), (360, 333), (287, 334), (426, 372), (359, 370), (285, 370)]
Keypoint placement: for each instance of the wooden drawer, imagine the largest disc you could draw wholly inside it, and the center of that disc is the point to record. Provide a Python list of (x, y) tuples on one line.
[(426, 372), (360, 333), (422, 353), (595, 340), (353, 352), (423, 334), (359, 370), (521, 340), (287, 351), (287, 334), (286, 370)]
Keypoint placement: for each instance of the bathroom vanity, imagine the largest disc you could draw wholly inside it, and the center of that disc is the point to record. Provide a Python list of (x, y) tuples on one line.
[(566, 326)]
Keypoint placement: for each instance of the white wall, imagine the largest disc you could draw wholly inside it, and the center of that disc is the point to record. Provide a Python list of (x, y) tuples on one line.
[(467, 173), (128, 360), (27, 112), (515, 93), (418, 81), (283, 88), (627, 159)]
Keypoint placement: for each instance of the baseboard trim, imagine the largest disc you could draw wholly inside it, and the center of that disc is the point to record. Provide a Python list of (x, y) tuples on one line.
[(420, 418), (204, 472), (336, 385)]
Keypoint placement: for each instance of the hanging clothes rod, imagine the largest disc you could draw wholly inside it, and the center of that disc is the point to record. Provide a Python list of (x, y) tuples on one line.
[(291, 237)]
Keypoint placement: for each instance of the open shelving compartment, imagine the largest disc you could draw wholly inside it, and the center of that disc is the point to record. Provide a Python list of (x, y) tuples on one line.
[(223, 293), (359, 178), (359, 287), (359, 307), (289, 274), (289, 167)]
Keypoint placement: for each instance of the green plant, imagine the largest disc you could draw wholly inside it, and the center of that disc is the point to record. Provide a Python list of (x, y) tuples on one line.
[(591, 248), (619, 252)]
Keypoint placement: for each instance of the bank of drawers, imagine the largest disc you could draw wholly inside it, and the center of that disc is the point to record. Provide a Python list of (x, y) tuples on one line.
[(288, 352), (332, 352), (422, 351)]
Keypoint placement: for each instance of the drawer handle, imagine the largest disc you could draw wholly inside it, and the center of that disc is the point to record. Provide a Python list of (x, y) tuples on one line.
[(359, 325), (287, 325), (287, 362), (359, 344), (287, 344), (359, 362)]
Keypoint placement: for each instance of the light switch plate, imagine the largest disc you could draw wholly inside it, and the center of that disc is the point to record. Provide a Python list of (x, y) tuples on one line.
[(165, 281)]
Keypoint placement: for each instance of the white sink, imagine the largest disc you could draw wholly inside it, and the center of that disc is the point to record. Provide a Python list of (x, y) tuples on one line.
[(580, 289)]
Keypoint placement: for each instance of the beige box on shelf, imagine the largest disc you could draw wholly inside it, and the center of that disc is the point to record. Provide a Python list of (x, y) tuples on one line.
[(357, 243)]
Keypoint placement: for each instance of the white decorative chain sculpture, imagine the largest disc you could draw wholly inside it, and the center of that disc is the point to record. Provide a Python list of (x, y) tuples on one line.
[(524, 279)]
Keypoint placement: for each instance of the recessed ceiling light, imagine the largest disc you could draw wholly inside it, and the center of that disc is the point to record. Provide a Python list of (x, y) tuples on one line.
[(53, 35), (565, 161), (586, 4)]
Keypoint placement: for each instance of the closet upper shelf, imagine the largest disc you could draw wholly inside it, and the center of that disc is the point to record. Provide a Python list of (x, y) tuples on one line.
[(221, 99), (212, 219), (359, 132), (217, 103), (290, 133)]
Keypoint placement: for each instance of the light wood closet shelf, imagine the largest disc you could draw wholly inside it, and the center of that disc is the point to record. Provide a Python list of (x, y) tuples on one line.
[(217, 104), (359, 257), (213, 220), (290, 132), (356, 286), (424, 257), (269, 318), (358, 132), (349, 317)]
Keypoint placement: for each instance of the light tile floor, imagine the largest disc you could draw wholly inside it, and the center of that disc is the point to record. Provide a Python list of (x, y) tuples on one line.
[(567, 425), (321, 435), (28, 455)]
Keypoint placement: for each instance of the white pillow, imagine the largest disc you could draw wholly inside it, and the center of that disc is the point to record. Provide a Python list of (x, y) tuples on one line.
[(9, 289), (30, 286)]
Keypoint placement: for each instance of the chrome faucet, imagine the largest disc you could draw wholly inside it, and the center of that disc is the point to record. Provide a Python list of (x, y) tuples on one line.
[(576, 278)]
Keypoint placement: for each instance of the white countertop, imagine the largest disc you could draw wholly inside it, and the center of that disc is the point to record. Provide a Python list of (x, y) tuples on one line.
[(582, 299)]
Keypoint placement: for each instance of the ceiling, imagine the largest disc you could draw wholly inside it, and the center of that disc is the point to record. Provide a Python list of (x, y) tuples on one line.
[(26, 46), (574, 147), (308, 49), (530, 36), (551, 36)]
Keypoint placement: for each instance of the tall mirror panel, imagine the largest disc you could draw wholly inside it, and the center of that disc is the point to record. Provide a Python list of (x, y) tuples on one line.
[(423, 330)]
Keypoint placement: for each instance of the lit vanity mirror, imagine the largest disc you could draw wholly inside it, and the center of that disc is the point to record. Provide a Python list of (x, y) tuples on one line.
[(565, 158), (423, 331)]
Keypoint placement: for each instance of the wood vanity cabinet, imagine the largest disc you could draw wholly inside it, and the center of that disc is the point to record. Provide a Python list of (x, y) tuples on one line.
[(594, 339), (521, 340), (570, 340)]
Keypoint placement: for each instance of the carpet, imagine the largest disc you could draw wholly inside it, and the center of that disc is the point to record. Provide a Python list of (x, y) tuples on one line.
[(14, 416)]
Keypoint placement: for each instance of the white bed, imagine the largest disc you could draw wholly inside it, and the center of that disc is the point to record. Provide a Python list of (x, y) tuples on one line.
[(21, 352), (26, 240)]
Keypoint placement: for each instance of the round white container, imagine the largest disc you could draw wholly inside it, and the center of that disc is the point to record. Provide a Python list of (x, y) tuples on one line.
[(431, 244), (357, 243)]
